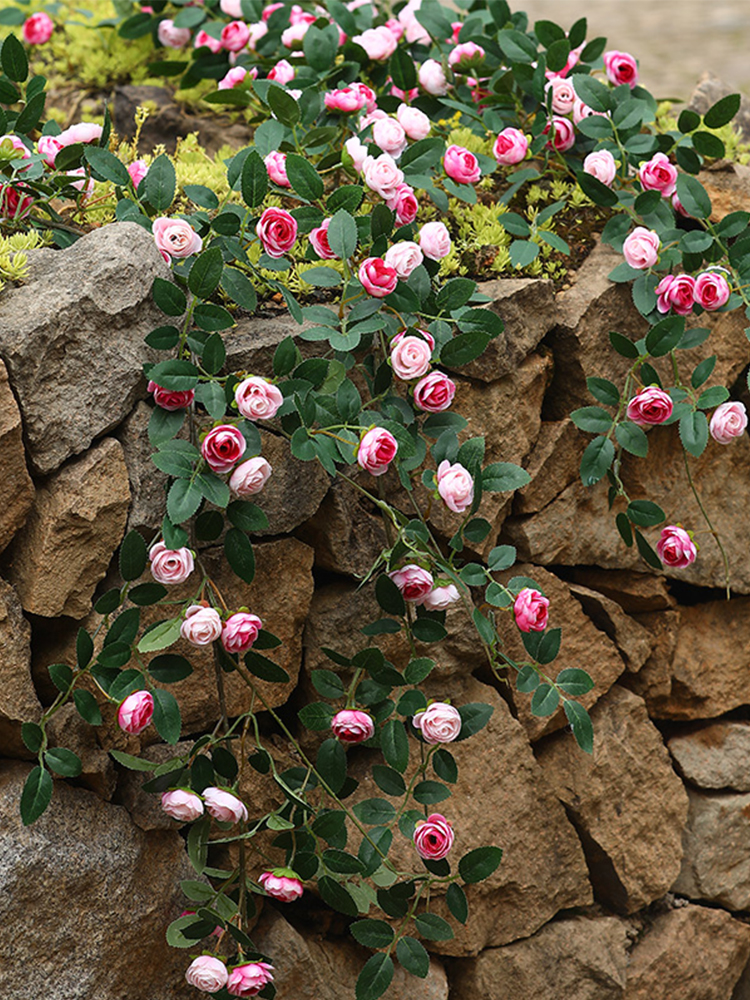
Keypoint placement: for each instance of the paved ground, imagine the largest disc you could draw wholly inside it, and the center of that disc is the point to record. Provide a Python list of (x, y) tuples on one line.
[(673, 40)]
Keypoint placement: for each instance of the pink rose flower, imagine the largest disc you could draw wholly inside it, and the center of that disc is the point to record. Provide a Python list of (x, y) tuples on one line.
[(377, 278), (675, 547), (434, 393), (135, 712), (461, 165), (414, 122), (435, 240), (344, 101), (433, 837), (137, 170), (432, 78), (390, 136), (175, 237), (620, 67), (404, 95), (201, 626), (283, 72), (376, 451), (455, 486), (82, 132), (234, 78), (651, 406), (728, 422), (677, 292), (404, 203), (247, 980), (413, 581), (171, 37), (382, 175), (268, 10), (395, 27), (358, 152), (234, 36), (410, 357), (257, 30), (277, 231), (440, 598), (581, 111), (711, 290), (222, 447), (293, 37), (250, 477), (319, 239), (422, 333), (641, 248), (240, 631), (212, 44), (371, 101), (171, 399), (182, 805), (564, 134), (466, 52), (86, 186), (376, 115), (282, 884), (563, 94), (438, 723), (378, 43), (351, 725), (257, 399), (404, 257), (510, 147), (530, 610), (276, 166), (37, 29), (170, 566), (224, 806), (207, 973), (658, 174), (601, 164), (48, 146), (14, 204)]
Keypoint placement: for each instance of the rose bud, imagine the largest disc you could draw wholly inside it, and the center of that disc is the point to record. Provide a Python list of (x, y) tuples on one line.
[(456, 486), (319, 239), (711, 290), (257, 399), (283, 72), (404, 203), (172, 37), (563, 94), (438, 723), (439, 598), (376, 451), (382, 175), (530, 610), (182, 805), (135, 712), (247, 980), (276, 166), (676, 292), (283, 884), (434, 393), (510, 147), (641, 248), (207, 973), (620, 67), (432, 78), (728, 422), (389, 135), (351, 725), (651, 406), (170, 566), (137, 170), (222, 447), (235, 36), (410, 357), (201, 626), (414, 122), (37, 29), (171, 399), (564, 134), (658, 174), (250, 477), (277, 231), (378, 43), (461, 165), (175, 238), (435, 240), (240, 631), (413, 581), (675, 547), (601, 165), (433, 837), (224, 806)]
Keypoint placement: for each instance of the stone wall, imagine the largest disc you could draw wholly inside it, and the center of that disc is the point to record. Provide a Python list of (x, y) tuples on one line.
[(625, 875)]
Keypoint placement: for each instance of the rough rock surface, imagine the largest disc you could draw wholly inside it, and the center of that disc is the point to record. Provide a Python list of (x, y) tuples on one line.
[(295, 489), (77, 522), (16, 487), (691, 952), (108, 894), (72, 338), (715, 756), (346, 532), (632, 640), (716, 842), (578, 959), (67, 729), (636, 593), (148, 485), (653, 682), (553, 465), (626, 802), (18, 699)]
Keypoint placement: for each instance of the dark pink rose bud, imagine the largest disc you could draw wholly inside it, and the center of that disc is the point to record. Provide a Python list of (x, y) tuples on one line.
[(351, 725), (530, 610), (433, 837), (135, 712), (675, 547)]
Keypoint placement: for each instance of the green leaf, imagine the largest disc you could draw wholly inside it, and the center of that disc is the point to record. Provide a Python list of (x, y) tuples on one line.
[(239, 554), (402, 70), (214, 353), (389, 596), (239, 288), (337, 896), (375, 977), (479, 864), (264, 668), (418, 670), (160, 183), (37, 789), (197, 845), (719, 114), (714, 396), (445, 765), (504, 477), (457, 902), (428, 630), (395, 744), (463, 348), (32, 736), (331, 765), (632, 438), (63, 762), (62, 677), (545, 700), (474, 717), (339, 861), (645, 514), (413, 956), (646, 552), (253, 180), (455, 293), (622, 345), (183, 500), (433, 927), (592, 419), (168, 297), (303, 177), (374, 812), (106, 166), (604, 390), (177, 374), (372, 933), (665, 335), (523, 253), (163, 635), (167, 719), (169, 668), (574, 681), (580, 722), (702, 372), (597, 458), (132, 763), (693, 196), (694, 432), (206, 273), (623, 526), (84, 648), (428, 793), (247, 516), (322, 277), (591, 186), (15, 64), (388, 780), (133, 556), (87, 707), (316, 716)]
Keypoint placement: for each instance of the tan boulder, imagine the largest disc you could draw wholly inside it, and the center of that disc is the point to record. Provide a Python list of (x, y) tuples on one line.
[(632, 640), (714, 756), (636, 593), (16, 487), (295, 489), (346, 532), (67, 729), (18, 698), (626, 802), (653, 682), (553, 465)]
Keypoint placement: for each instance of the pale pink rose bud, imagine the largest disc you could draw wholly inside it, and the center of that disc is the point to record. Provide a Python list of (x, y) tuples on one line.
[(382, 175), (650, 406), (176, 237), (223, 447), (300, 16), (268, 10), (276, 166), (456, 25), (641, 248), (404, 257), (250, 477), (234, 36), (410, 357), (413, 581), (201, 626), (390, 136), (414, 122), (240, 631), (283, 72), (432, 78), (137, 170), (395, 27), (564, 134), (676, 292), (171, 399), (88, 185), (170, 566), (207, 974), (351, 725), (581, 111), (711, 290), (440, 598), (377, 278), (729, 421), (257, 399), (358, 152), (344, 101), (319, 239), (438, 723), (404, 203), (435, 240), (232, 8), (18, 144), (82, 132), (461, 165), (283, 884), (376, 451), (135, 712), (234, 78), (434, 393), (404, 95), (601, 164), (658, 174), (530, 610), (257, 30), (48, 146), (376, 115), (37, 29), (293, 36), (224, 806), (204, 39), (466, 52), (574, 56), (416, 33), (247, 980), (181, 805), (422, 333), (563, 94), (277, 231), (510, 147), (675, 547), (171, 37), (620, 67), (455, 486), (433, 837), (378, 43)]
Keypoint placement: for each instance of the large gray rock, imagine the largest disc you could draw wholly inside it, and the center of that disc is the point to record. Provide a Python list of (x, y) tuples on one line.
[(18, 699), (16, 487), (72, 338)]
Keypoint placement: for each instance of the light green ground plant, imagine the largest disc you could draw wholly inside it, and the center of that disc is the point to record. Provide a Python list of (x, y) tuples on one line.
[(14, 261)]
